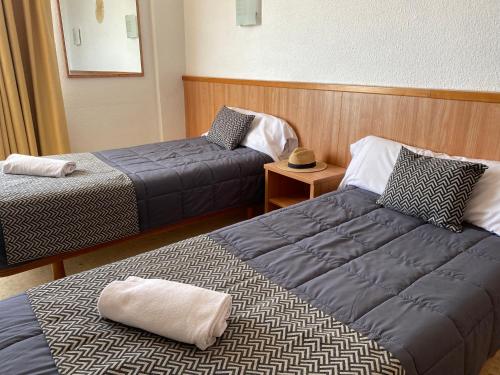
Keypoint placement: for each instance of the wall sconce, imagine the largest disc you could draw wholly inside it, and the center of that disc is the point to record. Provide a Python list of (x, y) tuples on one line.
[(248, 12)]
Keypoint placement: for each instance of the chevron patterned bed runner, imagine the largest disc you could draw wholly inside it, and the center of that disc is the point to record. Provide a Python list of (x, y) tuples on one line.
[(46, 216), (270, 331)]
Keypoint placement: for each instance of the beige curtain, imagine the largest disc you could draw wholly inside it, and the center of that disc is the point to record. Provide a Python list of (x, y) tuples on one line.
[(32, 118)]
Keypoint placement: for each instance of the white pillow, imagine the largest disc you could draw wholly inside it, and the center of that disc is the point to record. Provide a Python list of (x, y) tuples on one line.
[(373, 160), (270, 135), (483, 209)]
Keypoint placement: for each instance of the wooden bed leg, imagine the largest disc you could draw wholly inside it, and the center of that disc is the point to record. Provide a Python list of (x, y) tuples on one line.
[(58, 270), (250, 212)]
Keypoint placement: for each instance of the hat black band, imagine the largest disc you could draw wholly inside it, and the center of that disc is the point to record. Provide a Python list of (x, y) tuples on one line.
[(302, 166)]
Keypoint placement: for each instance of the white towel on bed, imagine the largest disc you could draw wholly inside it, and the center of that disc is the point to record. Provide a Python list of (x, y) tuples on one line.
[(178, 311), (36, 166)]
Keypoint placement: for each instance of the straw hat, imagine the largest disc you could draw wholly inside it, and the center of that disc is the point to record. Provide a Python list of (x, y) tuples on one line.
[(302, 160)]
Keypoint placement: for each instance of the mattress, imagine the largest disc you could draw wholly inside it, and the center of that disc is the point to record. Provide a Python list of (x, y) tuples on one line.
[(118, 193), (337, 284)]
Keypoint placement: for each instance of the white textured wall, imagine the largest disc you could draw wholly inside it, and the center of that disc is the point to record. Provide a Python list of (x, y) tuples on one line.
[(167, 16), (452, 44), (105, 113)]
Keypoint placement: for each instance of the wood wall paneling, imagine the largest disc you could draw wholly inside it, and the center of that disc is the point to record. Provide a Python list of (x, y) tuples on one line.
[(455, 127), (328, 119), (316, 129), (475, 96), (198, 100)]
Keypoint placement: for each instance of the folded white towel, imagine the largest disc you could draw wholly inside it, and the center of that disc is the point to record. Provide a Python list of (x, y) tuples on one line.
[(36, 166), (178, 311)]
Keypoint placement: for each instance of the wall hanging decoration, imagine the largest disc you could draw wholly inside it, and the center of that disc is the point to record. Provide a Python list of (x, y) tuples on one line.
[(94, 48), (99, 10)]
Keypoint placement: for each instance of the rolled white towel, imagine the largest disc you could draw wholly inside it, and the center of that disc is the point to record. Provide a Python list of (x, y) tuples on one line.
[(178, 311), (36, 166)]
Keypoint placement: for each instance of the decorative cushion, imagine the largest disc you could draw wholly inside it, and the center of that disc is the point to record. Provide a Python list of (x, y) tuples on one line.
[(435, 190), (229, 128)]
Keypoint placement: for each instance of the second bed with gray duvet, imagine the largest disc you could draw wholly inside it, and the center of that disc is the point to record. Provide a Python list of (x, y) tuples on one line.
[(118, 193)]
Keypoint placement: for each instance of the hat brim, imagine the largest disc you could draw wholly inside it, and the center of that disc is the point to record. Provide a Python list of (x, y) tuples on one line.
[(283, 164)]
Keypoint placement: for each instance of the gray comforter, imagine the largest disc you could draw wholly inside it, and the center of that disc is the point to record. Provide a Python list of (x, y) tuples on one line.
[(181, 179), (405, 292), (118, 193)]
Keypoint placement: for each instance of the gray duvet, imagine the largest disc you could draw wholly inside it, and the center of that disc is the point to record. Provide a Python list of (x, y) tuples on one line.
[(181, 179), (136, 188), (429, 296)]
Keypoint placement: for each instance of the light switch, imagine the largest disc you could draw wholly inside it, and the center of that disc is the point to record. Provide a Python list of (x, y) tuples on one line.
[(77, 36), (132, 27)]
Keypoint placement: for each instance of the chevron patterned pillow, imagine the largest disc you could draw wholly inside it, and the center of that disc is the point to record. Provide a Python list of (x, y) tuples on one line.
[(229, 128), (435, 190)]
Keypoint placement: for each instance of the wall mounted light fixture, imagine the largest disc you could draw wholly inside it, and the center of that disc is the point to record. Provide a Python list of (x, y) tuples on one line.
[(248, 12)]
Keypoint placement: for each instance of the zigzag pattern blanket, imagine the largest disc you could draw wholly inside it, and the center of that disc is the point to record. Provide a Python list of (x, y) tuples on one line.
[(271, 331), (46, 216)]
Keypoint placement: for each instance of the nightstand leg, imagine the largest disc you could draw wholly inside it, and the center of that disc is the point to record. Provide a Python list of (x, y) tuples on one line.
[(266, 198), (312, 191)]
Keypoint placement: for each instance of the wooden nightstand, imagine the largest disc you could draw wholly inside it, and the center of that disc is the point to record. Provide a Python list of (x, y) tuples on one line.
[(285, 188)]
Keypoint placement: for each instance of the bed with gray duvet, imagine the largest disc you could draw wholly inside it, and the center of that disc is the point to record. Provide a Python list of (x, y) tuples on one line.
[(119, 193), (334, 285)]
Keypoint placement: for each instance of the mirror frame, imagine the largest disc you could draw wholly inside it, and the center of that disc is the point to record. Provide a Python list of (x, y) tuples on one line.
[(100, 74)]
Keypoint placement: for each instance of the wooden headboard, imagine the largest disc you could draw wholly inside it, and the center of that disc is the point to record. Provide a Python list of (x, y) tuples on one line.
[(328, 118)]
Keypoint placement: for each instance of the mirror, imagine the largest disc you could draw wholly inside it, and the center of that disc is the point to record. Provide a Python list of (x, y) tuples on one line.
[(101, 38)]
